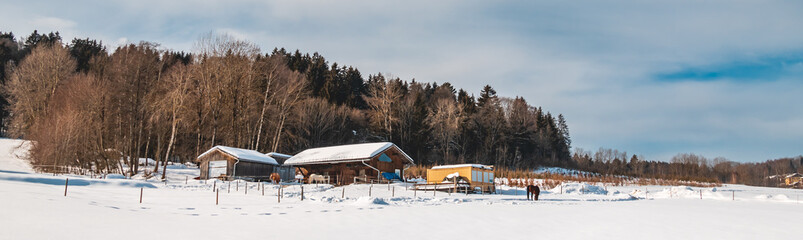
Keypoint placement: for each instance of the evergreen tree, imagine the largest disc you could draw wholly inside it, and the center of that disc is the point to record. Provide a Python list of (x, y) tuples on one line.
[(486, 95), (9, 56), (83, 50), (563, 129), (36, 39)]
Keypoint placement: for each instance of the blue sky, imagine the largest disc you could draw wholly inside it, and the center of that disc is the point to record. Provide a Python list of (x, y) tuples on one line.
[(656, 78)]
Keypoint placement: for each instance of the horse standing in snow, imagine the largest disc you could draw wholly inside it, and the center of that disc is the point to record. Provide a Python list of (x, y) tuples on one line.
[(315, 178), (275, 178), (534, 190)]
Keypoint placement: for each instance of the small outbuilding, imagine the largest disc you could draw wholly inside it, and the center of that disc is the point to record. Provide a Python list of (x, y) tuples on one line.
[(230, 163), (346, 164), (477, 176), (793, 179)]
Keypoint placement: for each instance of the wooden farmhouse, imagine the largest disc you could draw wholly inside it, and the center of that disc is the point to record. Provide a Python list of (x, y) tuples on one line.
[(230, 163), (792, 179), (346, 164), (479, 177)]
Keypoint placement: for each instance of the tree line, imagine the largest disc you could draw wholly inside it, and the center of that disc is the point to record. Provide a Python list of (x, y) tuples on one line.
[(687, 166), (84, 106)]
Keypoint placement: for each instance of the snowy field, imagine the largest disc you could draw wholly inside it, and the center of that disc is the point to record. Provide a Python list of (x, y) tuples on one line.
[(33, 206)]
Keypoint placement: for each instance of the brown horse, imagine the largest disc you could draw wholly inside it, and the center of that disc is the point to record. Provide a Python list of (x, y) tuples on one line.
[(275, 177), (534, 190)]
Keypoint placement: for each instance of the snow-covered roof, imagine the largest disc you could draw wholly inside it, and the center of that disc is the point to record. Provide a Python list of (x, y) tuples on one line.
[(279, 155), (243, 154), (342, 153), (463, 165), (794, 175)]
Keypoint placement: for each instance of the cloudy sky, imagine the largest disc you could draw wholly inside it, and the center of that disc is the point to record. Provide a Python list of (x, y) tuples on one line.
[(719, 77)]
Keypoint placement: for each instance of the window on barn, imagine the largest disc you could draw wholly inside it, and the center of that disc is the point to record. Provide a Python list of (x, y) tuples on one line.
[(384, 158), (491, 177)]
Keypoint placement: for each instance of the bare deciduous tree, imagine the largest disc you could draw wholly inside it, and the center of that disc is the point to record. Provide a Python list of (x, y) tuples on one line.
[(287, 99), (382, 95), (33, 83), (445, 121), (169, 100)]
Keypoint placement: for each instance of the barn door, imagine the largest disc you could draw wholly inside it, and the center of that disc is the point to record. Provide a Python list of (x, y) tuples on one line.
[(217, 168)]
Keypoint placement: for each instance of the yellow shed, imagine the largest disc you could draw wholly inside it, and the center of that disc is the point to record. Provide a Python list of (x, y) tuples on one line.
[(794, 178), (479, 176)]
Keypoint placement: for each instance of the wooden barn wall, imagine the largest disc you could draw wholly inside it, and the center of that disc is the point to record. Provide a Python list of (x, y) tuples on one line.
[(396, 157), (251, 169), (344, 173), (214, 156)]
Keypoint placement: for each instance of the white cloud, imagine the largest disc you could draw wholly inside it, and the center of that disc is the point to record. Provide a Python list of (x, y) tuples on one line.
[(52, 24)]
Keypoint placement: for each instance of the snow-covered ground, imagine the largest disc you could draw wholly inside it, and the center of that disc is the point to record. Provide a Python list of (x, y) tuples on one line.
[(32, 206), (561, 171)]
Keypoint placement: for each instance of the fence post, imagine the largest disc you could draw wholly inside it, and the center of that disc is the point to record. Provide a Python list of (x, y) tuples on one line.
[(370, 187), (237, 186), (302, 192), (246, 188), (561, 188), (186, 179), (434, 190), (66, 181), (217, 197), (140, 195), (214, 186), (263, 189), (415, 190), (343, 193), (393, 193), (279, 194), (701, 194), (733, 195), (229, 191)]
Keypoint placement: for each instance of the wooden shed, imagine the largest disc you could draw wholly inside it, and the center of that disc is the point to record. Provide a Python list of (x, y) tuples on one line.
[(346, 164), (793, 179), (479, 177), (230, 163)]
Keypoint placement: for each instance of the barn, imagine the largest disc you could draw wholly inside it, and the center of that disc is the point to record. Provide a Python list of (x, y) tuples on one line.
[(236, 163), (346, 164), (792, 179), (479, 177)]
